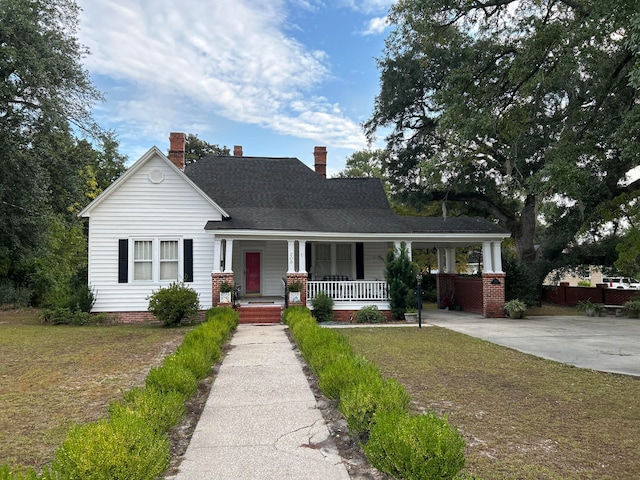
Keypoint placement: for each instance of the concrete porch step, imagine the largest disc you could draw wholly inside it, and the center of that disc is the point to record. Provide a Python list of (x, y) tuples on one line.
[(260, 314)]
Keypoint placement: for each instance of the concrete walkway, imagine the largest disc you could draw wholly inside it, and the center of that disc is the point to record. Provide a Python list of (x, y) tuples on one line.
[(261, 419), (608, 344)]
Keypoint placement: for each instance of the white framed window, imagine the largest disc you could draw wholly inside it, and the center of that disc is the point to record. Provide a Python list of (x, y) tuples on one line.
[(143, 260), (334, 259), (343, 259), (323, 260), (156, 260), (168, 260)]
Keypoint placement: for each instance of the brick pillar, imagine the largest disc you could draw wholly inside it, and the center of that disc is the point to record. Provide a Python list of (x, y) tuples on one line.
[(302, 277), (320, 160), (493, 295), (218, 279), (177, 143)]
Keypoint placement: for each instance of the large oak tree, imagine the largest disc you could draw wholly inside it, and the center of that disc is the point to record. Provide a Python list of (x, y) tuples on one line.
[(523, 111), (46, 172)]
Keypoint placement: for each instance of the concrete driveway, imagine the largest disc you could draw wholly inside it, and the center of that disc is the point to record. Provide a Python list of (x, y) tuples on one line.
[(608, 344)]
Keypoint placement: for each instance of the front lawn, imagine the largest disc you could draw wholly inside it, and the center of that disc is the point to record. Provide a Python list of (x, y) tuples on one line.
[(51, 376), (522, 417)]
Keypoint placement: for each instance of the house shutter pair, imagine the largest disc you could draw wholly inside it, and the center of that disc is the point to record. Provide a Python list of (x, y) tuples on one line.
[(123, 260)]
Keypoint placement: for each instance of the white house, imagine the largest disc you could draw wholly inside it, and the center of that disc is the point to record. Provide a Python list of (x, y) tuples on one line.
[(259, 223)]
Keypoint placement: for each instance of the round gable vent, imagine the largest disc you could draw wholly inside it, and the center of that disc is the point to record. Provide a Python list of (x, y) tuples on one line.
[(156, 176)]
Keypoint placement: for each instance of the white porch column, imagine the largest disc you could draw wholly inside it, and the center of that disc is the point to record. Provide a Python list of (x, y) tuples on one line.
[(409, 251), (291, 256), (302, 256), (497, 257), (487, 257), (217, 246), (228, 255), (440, 257), (451, 260), (396, 248)]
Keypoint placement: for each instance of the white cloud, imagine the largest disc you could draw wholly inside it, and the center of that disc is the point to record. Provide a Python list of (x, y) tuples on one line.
[(232, 58), (376, 26)]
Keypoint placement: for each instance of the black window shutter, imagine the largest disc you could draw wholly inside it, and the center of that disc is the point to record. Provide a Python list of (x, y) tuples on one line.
[(188, 260), (359, 261), (307, 256), (123, 261)]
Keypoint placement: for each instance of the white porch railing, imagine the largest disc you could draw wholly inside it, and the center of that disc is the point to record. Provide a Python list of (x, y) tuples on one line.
[(350, 291)]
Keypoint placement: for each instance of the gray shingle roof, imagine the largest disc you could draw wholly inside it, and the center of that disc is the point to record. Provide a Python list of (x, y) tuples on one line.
[(284, 194)]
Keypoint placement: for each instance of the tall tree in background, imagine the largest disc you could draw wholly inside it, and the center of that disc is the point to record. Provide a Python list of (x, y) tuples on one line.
[(195, 149), (519, 110), (46, 174)]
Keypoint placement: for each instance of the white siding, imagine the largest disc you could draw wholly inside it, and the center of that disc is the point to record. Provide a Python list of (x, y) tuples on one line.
[(374, 255), (140, 208)]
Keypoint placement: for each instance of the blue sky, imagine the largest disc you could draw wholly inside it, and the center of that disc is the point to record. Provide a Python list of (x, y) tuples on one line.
[(275, 76)]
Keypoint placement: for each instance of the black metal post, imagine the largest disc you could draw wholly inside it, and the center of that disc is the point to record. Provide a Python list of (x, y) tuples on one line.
[(419, 291)]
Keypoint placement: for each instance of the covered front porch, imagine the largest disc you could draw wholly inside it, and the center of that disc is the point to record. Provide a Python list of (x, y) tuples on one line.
[(351, 271)]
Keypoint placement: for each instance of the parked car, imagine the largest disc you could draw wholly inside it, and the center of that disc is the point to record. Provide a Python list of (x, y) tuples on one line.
[(622, 283)]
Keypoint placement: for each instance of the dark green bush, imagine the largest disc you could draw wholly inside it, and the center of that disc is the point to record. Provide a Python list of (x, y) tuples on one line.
[(124, 447), (400, 274), (415, 447), (174, 304), (67, 316), (322, 307), (360, 402), (14, 296), (370, 314)]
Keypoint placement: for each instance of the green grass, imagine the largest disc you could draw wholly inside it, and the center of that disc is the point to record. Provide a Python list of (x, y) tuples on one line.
[(522, 417), (53, 376)]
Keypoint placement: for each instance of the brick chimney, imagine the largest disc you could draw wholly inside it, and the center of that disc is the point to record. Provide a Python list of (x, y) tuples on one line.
[(177, 142), (320, 157), (237, 150)]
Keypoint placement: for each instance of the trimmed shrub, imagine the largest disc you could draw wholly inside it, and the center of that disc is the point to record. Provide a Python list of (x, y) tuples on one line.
[(195, 360), (207, 341), (346, 372), (324, 355), (174, 304), (370, 314), (415, 447), (322, 307), (161, 410), (316, 337), (359, 403), (172, 377), (123, 447)]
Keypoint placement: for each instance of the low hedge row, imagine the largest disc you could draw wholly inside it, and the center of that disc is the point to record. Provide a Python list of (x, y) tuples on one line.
[(395, 441), (133, 443)]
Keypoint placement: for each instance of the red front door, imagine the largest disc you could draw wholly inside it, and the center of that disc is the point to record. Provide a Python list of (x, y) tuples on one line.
[(252, 272)]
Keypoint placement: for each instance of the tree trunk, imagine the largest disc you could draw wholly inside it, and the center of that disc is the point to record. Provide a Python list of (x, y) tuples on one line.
[(524, 235)]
